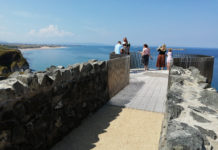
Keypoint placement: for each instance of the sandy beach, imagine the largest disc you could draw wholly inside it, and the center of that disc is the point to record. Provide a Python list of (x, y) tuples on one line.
[(41, 48)]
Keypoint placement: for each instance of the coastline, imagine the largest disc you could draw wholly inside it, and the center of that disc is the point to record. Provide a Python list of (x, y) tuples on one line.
[(40, 48)]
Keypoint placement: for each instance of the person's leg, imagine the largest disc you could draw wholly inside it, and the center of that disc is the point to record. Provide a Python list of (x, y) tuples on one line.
[(168, 66), (161, 62), (146, 67), (158, 62), (148, 64)]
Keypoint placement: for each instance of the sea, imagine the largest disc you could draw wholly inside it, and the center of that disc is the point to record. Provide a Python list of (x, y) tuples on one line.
[(40, 59)]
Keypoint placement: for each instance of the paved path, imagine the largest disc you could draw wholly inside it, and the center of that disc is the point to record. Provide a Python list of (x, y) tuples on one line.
[(131, 120)]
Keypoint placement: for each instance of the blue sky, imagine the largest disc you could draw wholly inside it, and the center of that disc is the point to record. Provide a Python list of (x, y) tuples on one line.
[(174, 22)]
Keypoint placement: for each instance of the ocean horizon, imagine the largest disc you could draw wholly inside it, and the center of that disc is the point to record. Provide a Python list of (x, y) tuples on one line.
[(40, 59)]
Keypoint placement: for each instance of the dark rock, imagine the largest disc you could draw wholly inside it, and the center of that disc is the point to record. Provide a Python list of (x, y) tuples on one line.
[(207, 109), (27, 71), (209, 133), (25, 78), (4, 139), (69, 111), (180, 136), (59, 105), (18, 135), (85, 69), (84, 105), (204, 85), (92, 60), (30, 80), (174, 111), (2, 78), (14, 74), (8, 115), (96, 66), (75, 71), (51, 68), (209, 98), (195, 109), (18, 87), (66, 75), (177, 79), (102, 65), (20, 110), (198, 118), (44, 80), (6, 93), (55, 75), (175, 95)]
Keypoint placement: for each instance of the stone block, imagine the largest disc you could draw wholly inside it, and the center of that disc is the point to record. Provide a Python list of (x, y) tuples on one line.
[(44, 80), (85, 69)]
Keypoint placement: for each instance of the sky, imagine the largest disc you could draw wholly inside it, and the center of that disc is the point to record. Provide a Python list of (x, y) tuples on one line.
[(182, 23)]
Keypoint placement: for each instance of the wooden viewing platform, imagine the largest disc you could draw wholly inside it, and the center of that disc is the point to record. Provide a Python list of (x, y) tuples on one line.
[(132, 119)]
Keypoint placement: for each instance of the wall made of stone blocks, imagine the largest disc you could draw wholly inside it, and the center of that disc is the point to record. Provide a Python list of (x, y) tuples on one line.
[(118, 74), (38, 109)]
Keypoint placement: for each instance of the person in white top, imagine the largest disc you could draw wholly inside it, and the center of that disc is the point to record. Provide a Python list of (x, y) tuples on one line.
[(169, 58), (118, 47)]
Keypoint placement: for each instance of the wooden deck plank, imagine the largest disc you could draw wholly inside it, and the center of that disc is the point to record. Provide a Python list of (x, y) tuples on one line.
[(146, 91), (142, 98)]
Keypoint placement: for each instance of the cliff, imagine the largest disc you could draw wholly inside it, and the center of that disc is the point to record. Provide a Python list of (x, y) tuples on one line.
[(11, 60), (191, 112)]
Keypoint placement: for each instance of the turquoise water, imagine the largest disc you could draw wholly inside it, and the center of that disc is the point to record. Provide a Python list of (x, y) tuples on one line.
[(41, 59)]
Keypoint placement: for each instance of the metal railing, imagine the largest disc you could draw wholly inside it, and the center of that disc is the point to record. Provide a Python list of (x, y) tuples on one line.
[(203, 62), (135, 59)]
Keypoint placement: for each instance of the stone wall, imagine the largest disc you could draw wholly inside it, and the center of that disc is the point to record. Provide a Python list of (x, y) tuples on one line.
[(118, 74), (38, 109), (190, 121), (113, 55)]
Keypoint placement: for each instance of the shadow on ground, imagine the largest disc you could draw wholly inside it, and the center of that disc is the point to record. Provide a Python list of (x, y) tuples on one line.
[(156, 74), (127, 94), (86, 135)]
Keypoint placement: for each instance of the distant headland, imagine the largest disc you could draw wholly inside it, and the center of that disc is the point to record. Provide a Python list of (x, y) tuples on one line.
[(31, 46)]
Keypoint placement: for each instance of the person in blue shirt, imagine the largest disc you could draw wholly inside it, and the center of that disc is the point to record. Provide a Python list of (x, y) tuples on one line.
[(118, 47)]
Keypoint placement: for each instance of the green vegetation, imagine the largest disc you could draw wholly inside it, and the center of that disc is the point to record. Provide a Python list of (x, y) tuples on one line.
[(11, 60)]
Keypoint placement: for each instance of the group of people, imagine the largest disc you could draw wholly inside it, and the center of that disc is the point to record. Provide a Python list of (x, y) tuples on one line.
[(160, 59), (122, 48)]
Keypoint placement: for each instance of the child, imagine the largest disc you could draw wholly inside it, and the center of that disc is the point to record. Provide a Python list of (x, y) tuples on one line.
[(169, 58)]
